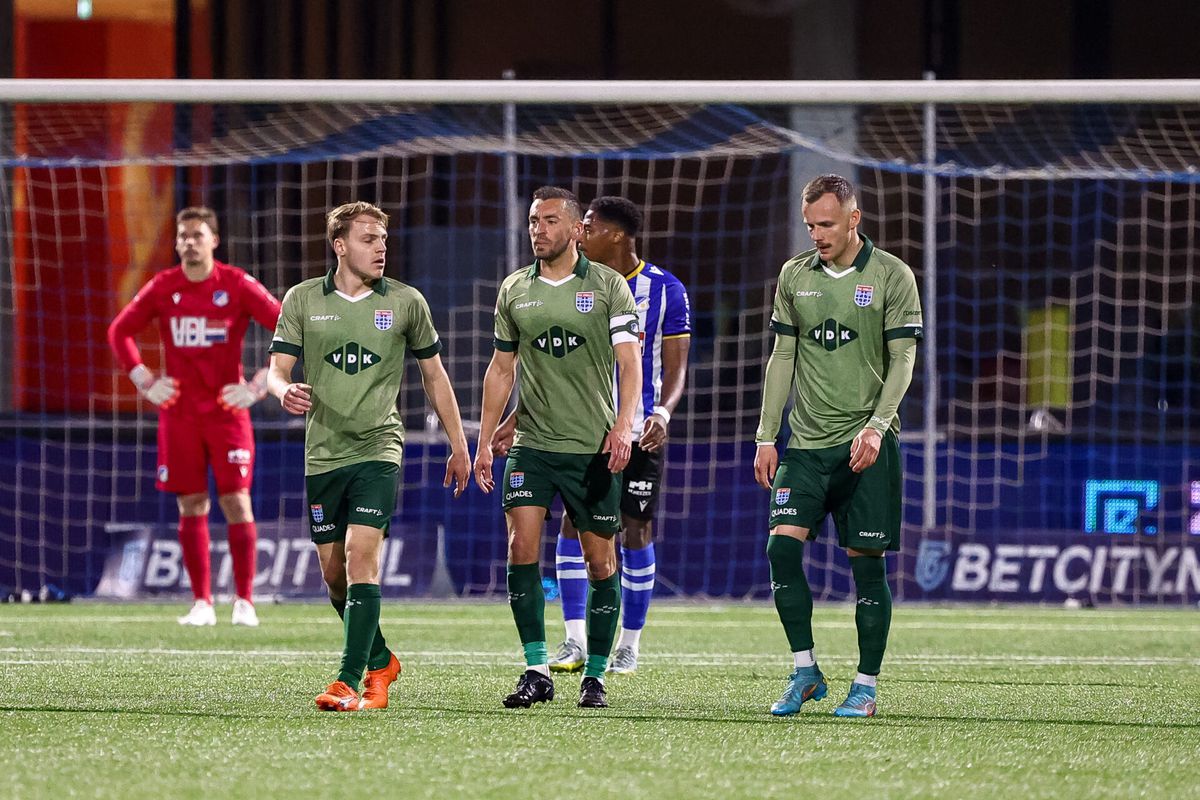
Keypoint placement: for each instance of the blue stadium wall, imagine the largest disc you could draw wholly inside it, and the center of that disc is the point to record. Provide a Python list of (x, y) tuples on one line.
[(1138, 539)]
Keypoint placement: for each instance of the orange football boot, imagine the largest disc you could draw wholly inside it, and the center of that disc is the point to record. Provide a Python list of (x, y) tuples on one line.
[(339, 697), (377, 681)]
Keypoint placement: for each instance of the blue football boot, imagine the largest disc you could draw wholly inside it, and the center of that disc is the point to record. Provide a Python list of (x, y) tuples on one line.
[(804, 684), (859, 703)]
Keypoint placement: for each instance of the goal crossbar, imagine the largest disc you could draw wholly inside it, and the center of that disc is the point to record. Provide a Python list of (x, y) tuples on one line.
[(601, 92)]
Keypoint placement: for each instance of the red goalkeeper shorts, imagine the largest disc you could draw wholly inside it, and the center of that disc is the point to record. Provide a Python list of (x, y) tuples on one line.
[(188, 446)]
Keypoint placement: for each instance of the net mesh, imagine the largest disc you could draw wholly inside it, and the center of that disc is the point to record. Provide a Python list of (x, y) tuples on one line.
[(1067, 324)]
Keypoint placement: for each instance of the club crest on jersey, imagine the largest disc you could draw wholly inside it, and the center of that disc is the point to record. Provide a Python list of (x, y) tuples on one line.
[(516, 480), (584, 301), (782, 496), (383, 318), (220, 298), (863, 295), (318, 513)]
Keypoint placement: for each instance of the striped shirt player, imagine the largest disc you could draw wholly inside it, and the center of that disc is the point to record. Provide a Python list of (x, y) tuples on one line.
[(611, 226), (665, 313), (202, 309)]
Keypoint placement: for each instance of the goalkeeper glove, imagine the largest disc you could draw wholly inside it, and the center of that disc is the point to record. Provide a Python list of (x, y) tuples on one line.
[(244, 395), (159, 391)]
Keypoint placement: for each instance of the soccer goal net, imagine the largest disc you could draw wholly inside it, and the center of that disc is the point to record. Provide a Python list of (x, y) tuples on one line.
[(1049, 441)]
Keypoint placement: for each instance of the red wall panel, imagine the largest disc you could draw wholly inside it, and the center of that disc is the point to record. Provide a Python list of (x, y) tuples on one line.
[(85, 237)]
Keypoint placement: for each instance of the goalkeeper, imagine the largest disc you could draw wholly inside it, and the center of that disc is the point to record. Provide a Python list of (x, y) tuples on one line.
[(202, 308), (846, 319)]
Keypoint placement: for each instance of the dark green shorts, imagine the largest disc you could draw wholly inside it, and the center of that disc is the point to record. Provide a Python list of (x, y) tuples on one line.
[(591, 494), (356, 494), (866, 506)]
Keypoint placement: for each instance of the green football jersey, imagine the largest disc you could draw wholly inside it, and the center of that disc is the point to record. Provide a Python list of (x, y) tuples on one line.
[(353, 351), (842, 318), (563, 334)]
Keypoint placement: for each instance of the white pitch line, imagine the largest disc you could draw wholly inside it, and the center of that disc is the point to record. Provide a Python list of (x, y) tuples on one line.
[(463, 658), (688, 609), (1068, 627), (167, 651), (164, 619), (402, 620)]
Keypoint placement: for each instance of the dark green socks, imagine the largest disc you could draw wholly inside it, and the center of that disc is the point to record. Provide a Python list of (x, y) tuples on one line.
[(793, 598), (379, 650), (527, 601), (873, 613), (361, 620), (603, 613)]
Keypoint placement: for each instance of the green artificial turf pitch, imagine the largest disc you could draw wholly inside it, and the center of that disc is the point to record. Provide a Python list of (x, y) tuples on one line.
[(118, 701)]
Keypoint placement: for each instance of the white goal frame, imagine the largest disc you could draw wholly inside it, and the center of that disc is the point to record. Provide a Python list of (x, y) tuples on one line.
[(511, 93)]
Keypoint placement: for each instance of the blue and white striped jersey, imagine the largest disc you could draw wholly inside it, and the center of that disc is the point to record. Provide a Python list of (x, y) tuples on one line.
[(664, 313)]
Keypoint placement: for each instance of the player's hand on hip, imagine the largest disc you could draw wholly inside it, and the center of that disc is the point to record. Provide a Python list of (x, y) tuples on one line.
[(162, 391), (766, 462), (296, 398), (654, 435), (458, 471), (244, 394), (618, 444), (865, 449), (483, 470)]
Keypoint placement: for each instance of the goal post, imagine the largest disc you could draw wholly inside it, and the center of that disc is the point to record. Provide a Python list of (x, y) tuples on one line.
[(602, 92), (1049, 444)]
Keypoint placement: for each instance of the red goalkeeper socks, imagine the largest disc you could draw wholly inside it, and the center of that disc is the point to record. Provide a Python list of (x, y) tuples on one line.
[(193, 538), (243, 539)]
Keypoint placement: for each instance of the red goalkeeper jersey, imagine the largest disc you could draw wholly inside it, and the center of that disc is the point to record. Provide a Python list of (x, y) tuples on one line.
[(201, 325)]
